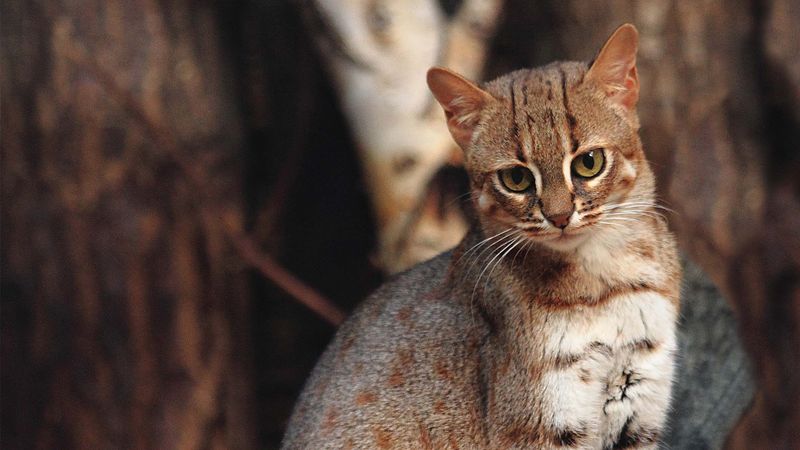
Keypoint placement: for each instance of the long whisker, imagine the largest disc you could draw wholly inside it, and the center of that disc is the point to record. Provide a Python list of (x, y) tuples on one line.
[(491, 249), (500, 260), (502, 249), (473, 261), (483, 242)]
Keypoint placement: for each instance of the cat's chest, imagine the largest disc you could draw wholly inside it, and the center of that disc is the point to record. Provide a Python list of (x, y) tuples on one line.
[(630, 321), (602, 366)]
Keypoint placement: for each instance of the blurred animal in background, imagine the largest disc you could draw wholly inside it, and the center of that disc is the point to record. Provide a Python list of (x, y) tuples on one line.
[(377, 54)]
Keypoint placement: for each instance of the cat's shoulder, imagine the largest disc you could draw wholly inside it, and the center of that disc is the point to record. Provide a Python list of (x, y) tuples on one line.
[(419, 299)]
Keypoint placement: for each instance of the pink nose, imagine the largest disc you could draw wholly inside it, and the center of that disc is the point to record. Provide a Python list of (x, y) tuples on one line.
[(560, 220)]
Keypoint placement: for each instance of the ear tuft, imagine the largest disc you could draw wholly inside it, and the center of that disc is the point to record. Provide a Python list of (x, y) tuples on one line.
[(461, 100), (614, 69)]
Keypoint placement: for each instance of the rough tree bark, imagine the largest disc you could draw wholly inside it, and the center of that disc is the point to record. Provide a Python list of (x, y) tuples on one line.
[(124, 311)]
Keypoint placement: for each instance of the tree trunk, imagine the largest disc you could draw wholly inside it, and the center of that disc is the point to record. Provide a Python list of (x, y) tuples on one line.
[(120, 178)]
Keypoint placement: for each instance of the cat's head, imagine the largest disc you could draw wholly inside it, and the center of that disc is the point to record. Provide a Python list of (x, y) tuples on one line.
[(553, 153)]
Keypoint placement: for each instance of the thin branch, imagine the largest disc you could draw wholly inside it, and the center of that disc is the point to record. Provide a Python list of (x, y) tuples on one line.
[(242, 242), (286, 281)]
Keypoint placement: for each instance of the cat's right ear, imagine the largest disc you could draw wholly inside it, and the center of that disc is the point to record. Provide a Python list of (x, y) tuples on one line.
[(614, 68), (461, 100)]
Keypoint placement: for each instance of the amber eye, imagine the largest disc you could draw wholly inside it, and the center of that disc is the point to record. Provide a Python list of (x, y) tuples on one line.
[(516, 179), (589, 164)]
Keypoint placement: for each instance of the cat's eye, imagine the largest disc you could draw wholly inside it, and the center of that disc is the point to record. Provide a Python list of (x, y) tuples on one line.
[(516, 179), (589, 164)]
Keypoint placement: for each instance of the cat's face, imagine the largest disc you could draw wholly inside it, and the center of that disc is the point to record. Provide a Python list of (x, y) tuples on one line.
[(553, 153)]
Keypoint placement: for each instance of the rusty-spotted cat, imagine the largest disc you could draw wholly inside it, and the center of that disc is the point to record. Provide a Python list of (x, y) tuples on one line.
[(553, 323)]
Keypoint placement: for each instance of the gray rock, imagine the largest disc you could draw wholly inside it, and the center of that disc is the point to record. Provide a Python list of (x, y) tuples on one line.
[(714, 384)]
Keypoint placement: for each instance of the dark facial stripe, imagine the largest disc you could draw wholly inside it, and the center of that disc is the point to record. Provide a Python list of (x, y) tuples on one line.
[(531, 130), (514, 126), (514, 130), (525, 93), (568, 112)]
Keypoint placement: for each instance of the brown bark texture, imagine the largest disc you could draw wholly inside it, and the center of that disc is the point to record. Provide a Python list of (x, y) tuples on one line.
[(154, 153), (123, 312)]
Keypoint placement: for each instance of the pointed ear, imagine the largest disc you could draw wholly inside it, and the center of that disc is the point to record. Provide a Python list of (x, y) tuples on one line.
[(614, 69), (462, 102)]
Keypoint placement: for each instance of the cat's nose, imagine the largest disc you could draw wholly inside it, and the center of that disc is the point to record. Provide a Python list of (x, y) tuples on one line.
[(560, 220)]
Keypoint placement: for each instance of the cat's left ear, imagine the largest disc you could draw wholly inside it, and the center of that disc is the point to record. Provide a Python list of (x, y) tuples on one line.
[(614, 69), (461, 100)]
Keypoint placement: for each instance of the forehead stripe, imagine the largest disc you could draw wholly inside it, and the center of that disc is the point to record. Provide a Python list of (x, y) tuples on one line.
[(568, 113), (531, 123), (514, 127)]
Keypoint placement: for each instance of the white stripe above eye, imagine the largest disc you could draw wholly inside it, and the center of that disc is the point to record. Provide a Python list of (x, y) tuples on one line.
[(537, 178), (566, 168)]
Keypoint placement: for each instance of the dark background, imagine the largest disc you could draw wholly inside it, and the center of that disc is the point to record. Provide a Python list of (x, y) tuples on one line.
[(142, 140)]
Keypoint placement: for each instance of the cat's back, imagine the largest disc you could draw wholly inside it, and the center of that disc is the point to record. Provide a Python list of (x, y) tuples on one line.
[(401, 372)]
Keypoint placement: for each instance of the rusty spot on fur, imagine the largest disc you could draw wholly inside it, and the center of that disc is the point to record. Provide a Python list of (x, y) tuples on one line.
[(319, 389), (373, 312), (502, 367), (453, 442), (515, 435), (439, 407), (425, 437), (383, 439), (329, 422), (405, 356), (349, 445), (443, 371), (404, 314), (644, 249), (365, 398), (346, 344), (403, 360), (396, 379)]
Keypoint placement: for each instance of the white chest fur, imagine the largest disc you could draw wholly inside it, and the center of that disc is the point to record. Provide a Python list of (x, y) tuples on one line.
[(613, 368)]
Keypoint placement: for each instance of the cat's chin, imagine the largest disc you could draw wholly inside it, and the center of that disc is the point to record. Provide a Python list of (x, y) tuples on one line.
[(562, 242)]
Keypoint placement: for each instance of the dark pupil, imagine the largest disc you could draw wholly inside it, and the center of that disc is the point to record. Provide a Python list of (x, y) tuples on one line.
[(517, 176), (588, 160)]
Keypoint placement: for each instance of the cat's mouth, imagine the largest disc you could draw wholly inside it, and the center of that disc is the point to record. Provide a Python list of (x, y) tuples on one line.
[(564, 234), (560, 240)]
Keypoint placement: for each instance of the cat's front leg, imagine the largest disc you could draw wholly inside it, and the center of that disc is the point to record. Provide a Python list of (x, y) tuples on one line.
[(638, 396)]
